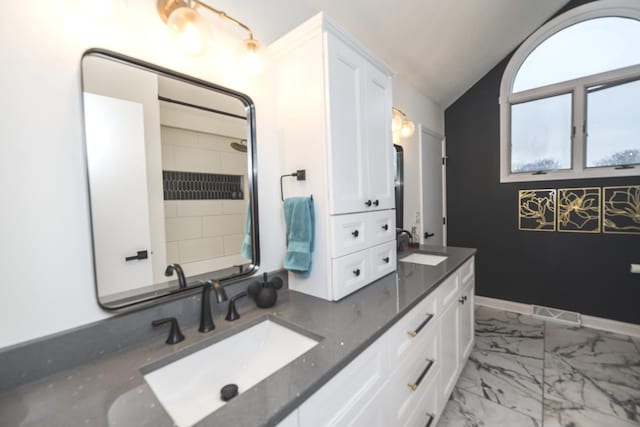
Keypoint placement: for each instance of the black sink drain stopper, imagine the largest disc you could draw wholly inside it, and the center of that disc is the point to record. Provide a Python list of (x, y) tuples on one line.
[(228, 392)]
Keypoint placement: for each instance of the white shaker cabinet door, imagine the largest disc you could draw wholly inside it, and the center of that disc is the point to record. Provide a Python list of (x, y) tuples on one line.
[(466, 321), (449, 345), (347, 151), (377, 135)]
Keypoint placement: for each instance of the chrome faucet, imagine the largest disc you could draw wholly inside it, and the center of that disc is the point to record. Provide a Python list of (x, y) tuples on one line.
[(206, 319), (182, 281)]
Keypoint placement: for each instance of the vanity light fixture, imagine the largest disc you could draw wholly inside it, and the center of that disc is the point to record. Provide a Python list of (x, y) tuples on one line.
[(400, 124), (192, 34)]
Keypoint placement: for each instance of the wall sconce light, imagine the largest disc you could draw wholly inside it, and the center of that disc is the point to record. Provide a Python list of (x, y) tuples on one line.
[(192, 33), (400, 124)]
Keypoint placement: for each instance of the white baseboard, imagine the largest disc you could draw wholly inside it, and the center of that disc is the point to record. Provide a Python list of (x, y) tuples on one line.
[(587, 321), (500, 304)]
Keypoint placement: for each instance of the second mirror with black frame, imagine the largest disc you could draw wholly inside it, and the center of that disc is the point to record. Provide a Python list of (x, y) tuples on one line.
[(172, 179)]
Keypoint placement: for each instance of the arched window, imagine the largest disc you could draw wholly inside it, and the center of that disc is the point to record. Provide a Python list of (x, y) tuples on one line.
[(570, 97)]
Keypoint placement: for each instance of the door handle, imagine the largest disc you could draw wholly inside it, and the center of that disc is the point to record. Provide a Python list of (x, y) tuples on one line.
[(140, 255), (427, 235)]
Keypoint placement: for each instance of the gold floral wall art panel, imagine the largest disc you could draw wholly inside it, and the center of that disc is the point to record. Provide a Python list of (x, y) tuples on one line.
[(537, 210), (579, 210), (621, 210)]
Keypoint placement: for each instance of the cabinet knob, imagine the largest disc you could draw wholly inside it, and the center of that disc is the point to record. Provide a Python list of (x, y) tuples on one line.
[(368, 203), (356, 272), (461, 300), (386, 259), (376, 203), (355, 233), (385, 227)]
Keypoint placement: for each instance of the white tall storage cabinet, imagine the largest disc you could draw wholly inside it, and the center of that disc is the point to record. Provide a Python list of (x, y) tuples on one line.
[(334, 112)]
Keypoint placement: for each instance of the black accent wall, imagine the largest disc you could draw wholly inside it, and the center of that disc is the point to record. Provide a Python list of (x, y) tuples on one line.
[(587, 273)]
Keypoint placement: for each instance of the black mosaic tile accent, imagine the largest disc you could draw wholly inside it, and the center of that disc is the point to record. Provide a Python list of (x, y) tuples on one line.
[(201, 186)]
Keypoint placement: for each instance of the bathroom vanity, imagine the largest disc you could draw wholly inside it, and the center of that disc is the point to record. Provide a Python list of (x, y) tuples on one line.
[(372, 348)]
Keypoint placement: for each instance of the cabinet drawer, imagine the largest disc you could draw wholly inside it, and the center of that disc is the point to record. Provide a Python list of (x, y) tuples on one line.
[(467, 271), (426, 412), (345, 396), (383, 259), (408, 332), (382, 226), (350, 273), (409, 381), (349, 234)]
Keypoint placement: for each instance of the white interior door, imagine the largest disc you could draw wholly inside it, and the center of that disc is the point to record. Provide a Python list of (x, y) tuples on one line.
[(119, 200), (432, 191)]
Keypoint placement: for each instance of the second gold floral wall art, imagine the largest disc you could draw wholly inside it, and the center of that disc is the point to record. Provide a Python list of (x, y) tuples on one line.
[(613, 210), (579, 210)]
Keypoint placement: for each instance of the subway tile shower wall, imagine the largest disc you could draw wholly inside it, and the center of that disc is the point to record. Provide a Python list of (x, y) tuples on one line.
[(201, 186)]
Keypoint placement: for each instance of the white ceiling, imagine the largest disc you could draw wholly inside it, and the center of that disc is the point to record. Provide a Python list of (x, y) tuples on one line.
[(441, 47)]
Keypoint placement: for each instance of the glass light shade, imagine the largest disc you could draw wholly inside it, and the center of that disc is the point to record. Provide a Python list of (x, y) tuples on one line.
[(396, 120), (407, 129), (252, 57), (189, 30)]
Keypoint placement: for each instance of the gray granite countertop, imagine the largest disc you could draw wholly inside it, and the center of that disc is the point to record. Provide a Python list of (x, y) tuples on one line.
[(112, 391)]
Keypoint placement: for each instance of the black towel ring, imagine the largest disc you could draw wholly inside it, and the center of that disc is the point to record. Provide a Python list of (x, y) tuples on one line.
[(300, 174)]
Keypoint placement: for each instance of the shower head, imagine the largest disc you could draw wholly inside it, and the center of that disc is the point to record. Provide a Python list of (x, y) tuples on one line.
[(240, 146)]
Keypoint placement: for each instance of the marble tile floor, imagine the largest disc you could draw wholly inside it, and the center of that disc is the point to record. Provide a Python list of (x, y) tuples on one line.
[(527, 372)]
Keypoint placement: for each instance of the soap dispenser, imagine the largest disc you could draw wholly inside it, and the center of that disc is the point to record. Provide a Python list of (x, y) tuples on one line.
[(264, 293)]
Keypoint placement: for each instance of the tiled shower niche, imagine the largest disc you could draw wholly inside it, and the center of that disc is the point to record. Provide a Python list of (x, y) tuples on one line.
[(201, 186)]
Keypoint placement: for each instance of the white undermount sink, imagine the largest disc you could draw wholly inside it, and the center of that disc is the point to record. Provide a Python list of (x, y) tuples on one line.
[(426, 259), (189, 388)]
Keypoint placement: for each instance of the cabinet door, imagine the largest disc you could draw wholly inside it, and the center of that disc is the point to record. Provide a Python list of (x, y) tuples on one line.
[(466, 321), (377, 136), (347, 172), (449, 347)]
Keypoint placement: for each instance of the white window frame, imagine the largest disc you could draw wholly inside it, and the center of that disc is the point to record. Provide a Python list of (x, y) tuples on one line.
[(577, 87)]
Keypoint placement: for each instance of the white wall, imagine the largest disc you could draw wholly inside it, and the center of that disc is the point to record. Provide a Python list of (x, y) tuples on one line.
[(45, 248), (418, 109)]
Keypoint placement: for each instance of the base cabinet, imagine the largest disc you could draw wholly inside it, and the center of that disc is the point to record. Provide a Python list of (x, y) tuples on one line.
[(407, 375)]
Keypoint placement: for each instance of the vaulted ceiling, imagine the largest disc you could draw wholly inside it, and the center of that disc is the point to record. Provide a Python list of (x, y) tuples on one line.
[(441, 47)]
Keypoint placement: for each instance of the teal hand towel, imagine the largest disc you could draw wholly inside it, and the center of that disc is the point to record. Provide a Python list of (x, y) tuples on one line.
[(246, 243), (300, 222)]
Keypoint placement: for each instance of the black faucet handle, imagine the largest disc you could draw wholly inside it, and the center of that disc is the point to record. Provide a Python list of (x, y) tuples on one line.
[(232, 312), (175, 335)]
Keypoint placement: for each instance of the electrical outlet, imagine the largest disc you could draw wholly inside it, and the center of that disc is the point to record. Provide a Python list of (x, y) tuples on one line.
[(418, 217)]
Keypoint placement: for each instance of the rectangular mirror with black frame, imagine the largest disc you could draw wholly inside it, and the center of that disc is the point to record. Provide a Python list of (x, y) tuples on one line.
[(171, 164)]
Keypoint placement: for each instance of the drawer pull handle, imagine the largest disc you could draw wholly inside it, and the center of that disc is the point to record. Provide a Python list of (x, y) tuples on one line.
[(386, 259), (422, 325), (415, 385), (431, 418), (355, 233), (356, 272), (140, 255), (385, 227)]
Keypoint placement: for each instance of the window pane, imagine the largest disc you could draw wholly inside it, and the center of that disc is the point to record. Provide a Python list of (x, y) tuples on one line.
[(586, 48), (613, 125), (541, 134)]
